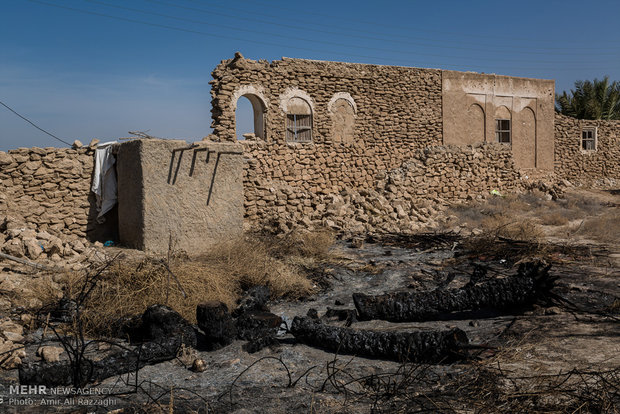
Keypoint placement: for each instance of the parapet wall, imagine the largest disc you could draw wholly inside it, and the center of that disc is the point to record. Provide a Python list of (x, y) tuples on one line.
[(49, 189), (587, 167)]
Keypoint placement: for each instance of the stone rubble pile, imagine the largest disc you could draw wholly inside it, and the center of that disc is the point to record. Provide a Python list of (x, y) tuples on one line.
[(23, 240)]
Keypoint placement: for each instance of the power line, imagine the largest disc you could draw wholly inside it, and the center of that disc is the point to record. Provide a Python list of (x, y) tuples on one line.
[(347, 33), (344, 45), (322, 51), (367, 23), (500, 49), (33, 124)]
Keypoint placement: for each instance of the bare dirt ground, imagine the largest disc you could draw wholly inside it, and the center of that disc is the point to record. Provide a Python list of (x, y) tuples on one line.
[(561, 357)]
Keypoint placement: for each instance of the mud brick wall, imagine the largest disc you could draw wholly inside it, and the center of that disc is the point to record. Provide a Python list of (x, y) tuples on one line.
[(587, 167), (172, 192), (401, 199), (49, 188)]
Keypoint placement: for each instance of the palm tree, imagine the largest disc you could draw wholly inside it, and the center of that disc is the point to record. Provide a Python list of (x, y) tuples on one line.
[(591, 100)]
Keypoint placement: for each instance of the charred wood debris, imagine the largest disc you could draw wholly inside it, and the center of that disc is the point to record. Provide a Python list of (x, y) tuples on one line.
[(160, 333)]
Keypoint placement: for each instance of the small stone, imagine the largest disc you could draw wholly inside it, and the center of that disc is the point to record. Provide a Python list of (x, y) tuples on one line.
[(13, 336), (77, 144), (199, 365), (13, 361), (553, 310), (33, 248), (93, 143), (50, 353)]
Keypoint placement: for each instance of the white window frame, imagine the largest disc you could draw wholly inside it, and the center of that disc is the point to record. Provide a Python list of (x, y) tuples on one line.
[(592, 131)]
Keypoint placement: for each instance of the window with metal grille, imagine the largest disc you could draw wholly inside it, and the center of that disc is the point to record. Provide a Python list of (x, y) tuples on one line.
[(502, 130), (298, 128), (588, 139)]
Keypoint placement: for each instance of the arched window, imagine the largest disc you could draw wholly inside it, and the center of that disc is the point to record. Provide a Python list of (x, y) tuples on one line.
[(244, 122), (298, 120)]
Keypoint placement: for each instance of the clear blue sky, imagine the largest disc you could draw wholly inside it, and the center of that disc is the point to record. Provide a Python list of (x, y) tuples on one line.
[(85, 69)]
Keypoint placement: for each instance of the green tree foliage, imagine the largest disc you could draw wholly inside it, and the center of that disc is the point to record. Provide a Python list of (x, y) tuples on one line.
[(599, 99)]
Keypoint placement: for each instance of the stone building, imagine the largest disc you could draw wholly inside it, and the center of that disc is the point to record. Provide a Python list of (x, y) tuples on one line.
[(352, 147), (332, 104)]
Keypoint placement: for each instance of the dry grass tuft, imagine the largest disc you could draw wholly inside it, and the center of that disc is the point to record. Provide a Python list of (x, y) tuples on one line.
[(128, 288), (555, 218), (522, 229), (604, 227)]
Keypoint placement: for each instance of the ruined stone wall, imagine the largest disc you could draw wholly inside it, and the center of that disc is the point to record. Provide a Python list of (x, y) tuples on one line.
[(365, 118), (587, 167), (401, 199), (48, 189)]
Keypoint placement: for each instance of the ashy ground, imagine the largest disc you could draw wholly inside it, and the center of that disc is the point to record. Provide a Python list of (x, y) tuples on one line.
[(562, 356)]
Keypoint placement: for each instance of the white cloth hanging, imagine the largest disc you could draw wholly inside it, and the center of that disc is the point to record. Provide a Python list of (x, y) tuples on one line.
[(104, 178)]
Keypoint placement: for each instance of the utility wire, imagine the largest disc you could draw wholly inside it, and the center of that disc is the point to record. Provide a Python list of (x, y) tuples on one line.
[(497, 49), (322, 51), (344, 45), (367, 23), (33, 124)]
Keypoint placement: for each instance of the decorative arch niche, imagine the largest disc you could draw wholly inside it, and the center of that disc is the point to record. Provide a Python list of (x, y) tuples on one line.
[(474, 131), (343, 111)]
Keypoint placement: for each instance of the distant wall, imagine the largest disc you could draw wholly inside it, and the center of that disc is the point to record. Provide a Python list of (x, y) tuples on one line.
[(586, 167), (472, 102), (49, 188), (170, 193)]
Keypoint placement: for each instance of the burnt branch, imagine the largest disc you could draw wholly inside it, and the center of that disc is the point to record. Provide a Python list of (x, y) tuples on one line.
[(531, 284), (420, 346)]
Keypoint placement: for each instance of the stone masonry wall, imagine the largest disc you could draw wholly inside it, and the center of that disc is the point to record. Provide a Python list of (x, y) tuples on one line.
[(581, 166), (48, 188), (397, 110), (402, 199)]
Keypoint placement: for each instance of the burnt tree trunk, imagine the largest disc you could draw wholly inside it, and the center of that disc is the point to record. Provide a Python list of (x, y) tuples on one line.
[(531, 284), (421, 346)]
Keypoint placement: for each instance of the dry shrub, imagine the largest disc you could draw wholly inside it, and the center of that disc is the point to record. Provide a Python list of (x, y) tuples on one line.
[(128, 288), (555, 218), (315, 244), (508, 238), (524, 230), (604, 227)]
